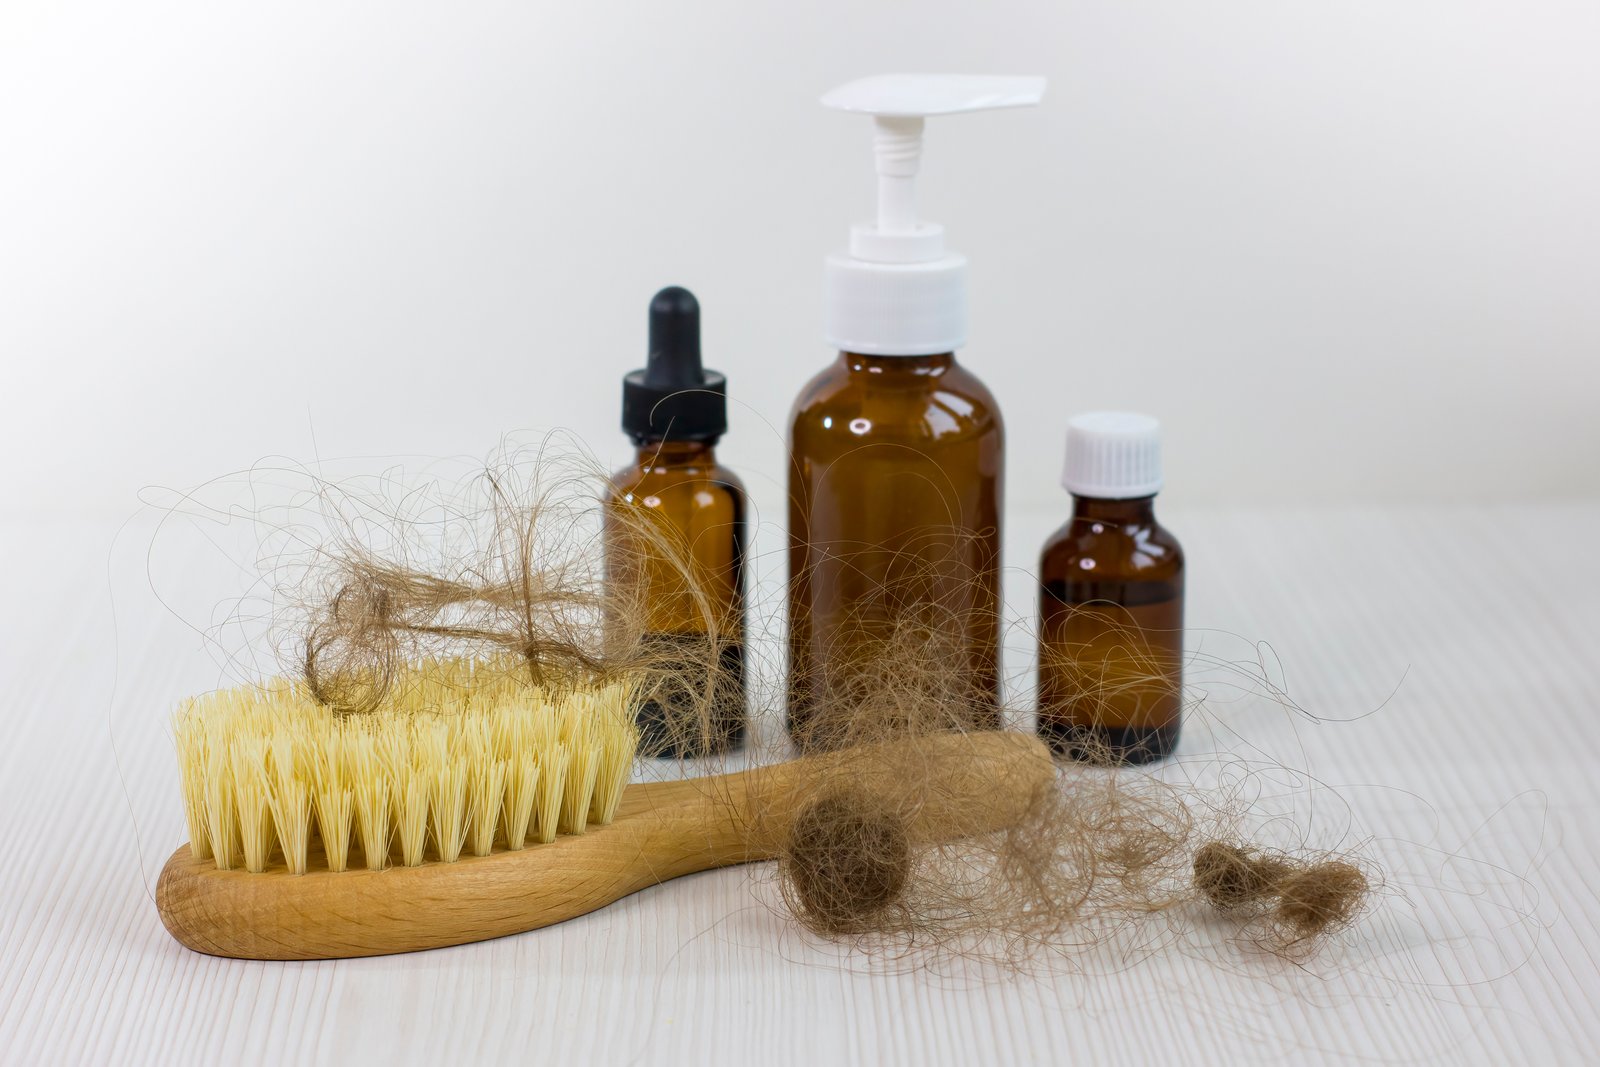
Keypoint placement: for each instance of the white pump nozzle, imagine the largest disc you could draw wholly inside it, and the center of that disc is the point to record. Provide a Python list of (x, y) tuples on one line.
[(898, 104), (898, 292)]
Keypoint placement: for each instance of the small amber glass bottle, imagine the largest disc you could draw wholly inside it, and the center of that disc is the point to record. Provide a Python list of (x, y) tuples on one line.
[(1111, 602), (676, 535), (896, 479)]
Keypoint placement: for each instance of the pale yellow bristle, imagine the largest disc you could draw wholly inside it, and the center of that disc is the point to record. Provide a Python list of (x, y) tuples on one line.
[(512, 739), (190, 738), (485, 783), (335, 809), (331, 797), (411, 812), (465, 755), (522, 781), (409, 792), (577, 732), (250, 791), (371, 786), (615, 743), (552, 787), (221, 815), (289, 799), (441, 758)]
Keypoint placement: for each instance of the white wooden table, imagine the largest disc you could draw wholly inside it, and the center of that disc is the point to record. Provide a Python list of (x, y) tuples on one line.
[(1451, 658)]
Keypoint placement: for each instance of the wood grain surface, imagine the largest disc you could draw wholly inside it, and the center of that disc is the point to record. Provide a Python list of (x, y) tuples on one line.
[(1445, 661)]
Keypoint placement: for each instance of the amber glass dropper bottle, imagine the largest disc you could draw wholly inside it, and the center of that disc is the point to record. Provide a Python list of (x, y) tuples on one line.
[(1111, 601), (675, 529)]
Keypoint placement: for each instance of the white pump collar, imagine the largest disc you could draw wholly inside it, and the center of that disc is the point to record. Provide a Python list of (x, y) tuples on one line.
[(898, 292)]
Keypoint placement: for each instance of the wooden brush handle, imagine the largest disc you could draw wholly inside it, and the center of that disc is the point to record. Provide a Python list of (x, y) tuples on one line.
[(662, 830)]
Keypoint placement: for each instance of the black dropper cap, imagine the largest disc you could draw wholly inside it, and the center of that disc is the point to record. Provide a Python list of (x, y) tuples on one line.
[(674, 398)]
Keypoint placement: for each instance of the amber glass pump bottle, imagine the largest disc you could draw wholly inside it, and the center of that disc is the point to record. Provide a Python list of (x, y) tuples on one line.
[(896, 451), (675, 529), (1111, 601), (894, 521)]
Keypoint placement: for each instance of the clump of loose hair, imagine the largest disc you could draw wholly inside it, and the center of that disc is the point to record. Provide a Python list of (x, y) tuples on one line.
[(846, 861), (1067, 866), (1302, 900)]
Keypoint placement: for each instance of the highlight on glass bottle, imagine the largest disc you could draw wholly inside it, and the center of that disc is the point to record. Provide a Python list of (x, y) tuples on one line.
[(1111, 601), (676, 538)]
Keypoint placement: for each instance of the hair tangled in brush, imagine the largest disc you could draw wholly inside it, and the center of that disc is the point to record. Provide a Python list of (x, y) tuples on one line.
[(526, 582), (384, 615)]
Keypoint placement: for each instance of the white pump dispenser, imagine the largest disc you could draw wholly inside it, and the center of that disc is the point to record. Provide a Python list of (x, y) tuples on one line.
[(898, 292)]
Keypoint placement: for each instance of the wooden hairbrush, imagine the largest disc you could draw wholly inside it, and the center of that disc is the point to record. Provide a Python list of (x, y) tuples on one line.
[(659, 831)]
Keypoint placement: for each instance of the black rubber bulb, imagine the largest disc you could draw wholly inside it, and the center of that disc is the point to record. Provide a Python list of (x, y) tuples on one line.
[(674, 360)]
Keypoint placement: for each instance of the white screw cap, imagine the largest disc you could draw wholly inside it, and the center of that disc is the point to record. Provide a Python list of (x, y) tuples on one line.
[(1113, 455)]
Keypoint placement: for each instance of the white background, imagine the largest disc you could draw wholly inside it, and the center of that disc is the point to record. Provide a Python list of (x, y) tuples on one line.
[(1347, 251)]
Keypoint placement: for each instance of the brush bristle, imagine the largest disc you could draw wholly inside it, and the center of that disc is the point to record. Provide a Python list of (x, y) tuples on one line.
[(464, 757)]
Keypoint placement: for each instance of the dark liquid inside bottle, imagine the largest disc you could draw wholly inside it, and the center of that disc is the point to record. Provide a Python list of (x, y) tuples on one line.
[(687, 578), (1111, 634), (673, 723), (894, 525)]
